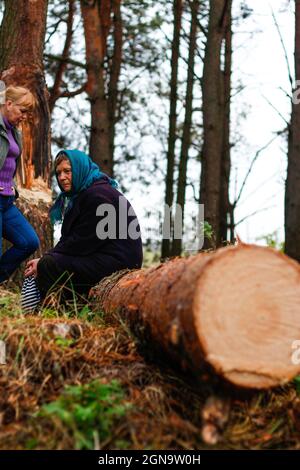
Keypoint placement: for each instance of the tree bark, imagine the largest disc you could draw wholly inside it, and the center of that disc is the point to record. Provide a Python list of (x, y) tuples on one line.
[(22, 37), (292, 193), (213, 120), (95, 31), (105, 11), (115, 69), (225, 205), (186, 135), (166, 241), (191, 311)]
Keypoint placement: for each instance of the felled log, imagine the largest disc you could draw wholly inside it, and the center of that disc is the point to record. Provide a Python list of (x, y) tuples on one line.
[(235, 311)]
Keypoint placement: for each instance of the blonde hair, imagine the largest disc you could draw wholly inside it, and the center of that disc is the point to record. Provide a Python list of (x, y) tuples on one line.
[(19, 95)]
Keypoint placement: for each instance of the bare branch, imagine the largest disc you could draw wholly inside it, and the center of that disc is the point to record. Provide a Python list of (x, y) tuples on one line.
[(259, 186), (288, 95), (251, 166), (71, 94), (196, 198), (54, 29), (275, 109), (284, 48), (67, 60), (55, 92), (254, 213)]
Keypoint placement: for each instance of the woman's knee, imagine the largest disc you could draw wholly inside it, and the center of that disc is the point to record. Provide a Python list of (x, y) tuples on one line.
[(50, 274), (30, 244), (47, 272), (46, 265), (33, 243)]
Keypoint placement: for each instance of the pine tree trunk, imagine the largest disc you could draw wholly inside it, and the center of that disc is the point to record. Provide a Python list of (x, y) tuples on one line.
[(225, 206), (213, 120), (177, 12), (115, 69), (22, 37), (193, 312), (292, 193), (96, 28), (186, 136)]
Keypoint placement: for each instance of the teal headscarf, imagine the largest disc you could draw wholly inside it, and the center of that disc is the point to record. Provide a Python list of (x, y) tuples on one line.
[(84, 173)]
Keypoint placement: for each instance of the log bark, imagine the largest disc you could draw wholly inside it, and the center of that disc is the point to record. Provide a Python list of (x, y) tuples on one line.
[(234, 312)]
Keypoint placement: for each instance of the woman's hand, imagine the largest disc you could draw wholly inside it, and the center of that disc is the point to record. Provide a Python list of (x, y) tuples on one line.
[(31, 268)]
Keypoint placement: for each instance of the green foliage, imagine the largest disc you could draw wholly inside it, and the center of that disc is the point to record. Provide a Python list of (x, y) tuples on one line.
[(31, 444), (150, 258), (297, 384), (8, 307), (272, 240), (208, 231), (64, 342), (121, 444), (86, 314), (89, 411), (48, 312), (19, 350)]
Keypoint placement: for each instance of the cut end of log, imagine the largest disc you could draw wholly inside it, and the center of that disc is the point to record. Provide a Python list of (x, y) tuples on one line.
[(247, 315)]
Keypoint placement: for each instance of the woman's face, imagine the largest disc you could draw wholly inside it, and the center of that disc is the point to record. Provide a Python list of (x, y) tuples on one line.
[(64, 175), (15, 112)]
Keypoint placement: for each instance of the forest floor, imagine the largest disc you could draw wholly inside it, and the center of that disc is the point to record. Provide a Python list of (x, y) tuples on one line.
[(74, 379)]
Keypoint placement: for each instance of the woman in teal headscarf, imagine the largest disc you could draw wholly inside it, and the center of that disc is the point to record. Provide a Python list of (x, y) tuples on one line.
[(82, 254), (83, 171)]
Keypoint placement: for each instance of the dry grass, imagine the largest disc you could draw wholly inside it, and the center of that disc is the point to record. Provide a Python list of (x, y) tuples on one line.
[(161, 408)]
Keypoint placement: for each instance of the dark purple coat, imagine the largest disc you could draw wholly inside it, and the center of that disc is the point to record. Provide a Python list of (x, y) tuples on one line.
[(81, 251)]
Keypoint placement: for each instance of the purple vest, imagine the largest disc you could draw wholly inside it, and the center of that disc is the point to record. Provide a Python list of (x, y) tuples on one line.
[(9, 167)]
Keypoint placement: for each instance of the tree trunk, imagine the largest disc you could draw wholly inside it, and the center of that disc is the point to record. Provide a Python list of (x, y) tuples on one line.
[(191, 311), (213, 120), (225, 206), (292, 193), (22, 37), (177, 11), (186, 136), (95, 31), (115, 69)]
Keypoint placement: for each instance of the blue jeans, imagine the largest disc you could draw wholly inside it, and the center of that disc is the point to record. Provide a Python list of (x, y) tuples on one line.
[(16, 229)]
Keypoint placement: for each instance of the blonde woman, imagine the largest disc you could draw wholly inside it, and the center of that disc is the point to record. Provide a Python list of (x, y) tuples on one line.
[(15, 103)]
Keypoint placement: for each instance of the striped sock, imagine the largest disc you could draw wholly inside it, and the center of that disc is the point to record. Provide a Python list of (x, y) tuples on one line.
[(30, 295)]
